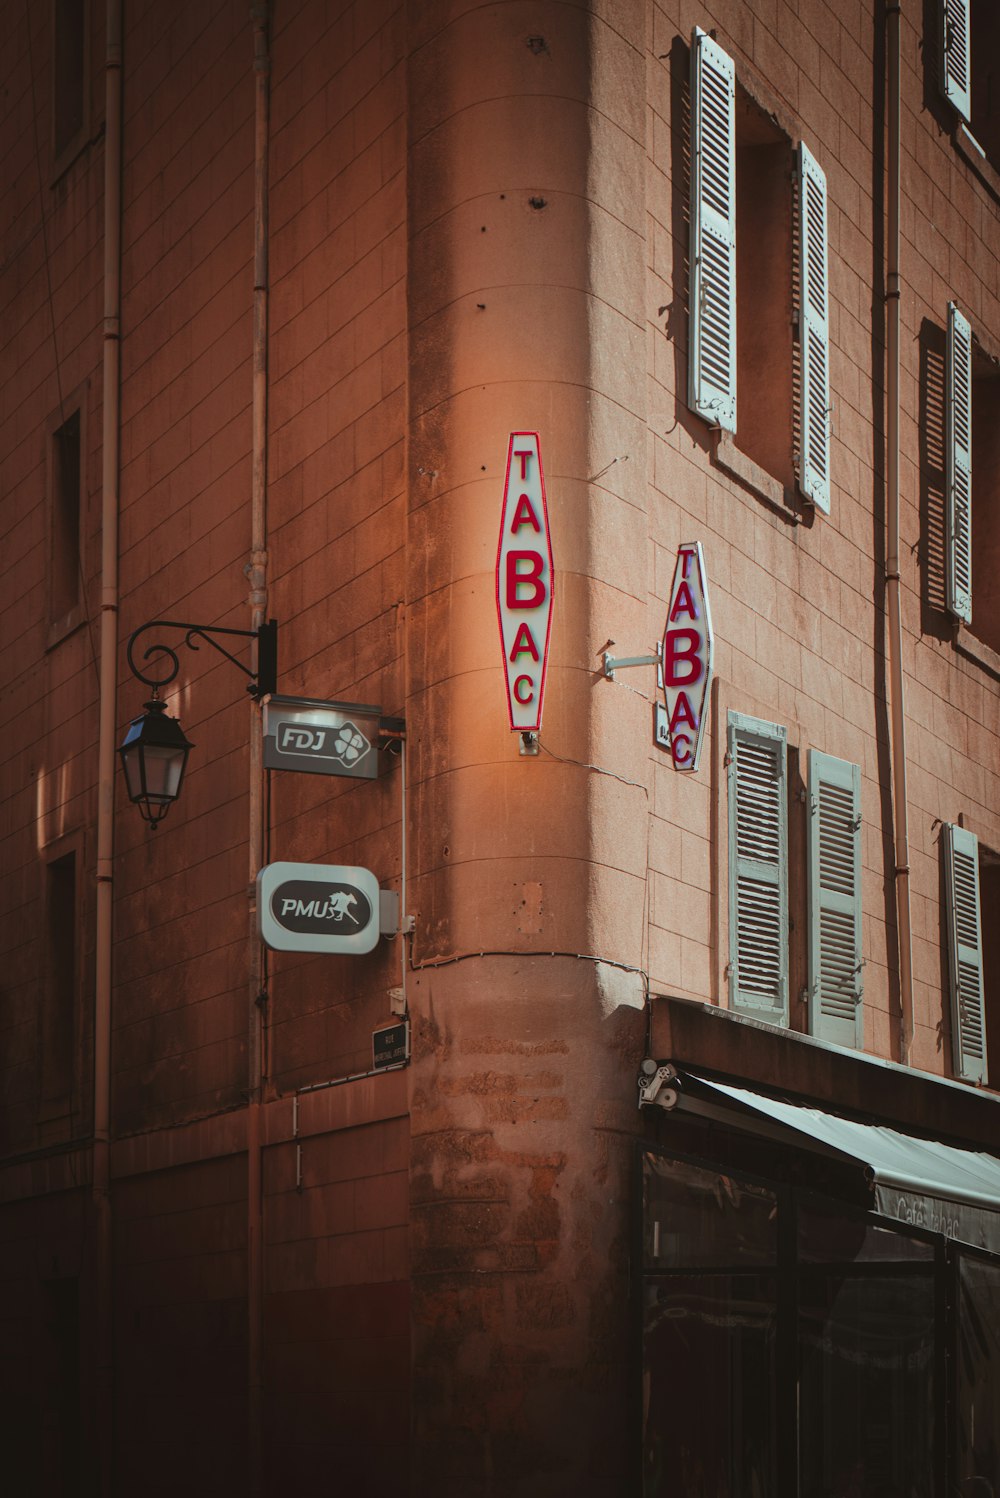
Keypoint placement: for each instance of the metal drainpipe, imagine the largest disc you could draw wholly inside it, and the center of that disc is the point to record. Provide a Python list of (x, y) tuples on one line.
[(898, 709), (101, 1184), (257, 574)]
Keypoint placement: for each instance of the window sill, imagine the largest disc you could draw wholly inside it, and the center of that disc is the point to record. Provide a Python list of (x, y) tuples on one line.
[(727, 456), (968, 645), (971, 151), (61, 629)]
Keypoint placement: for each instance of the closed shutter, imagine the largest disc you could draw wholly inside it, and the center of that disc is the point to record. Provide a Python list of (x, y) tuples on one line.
[(712, 321), (965, 953), (958, 465), (758, 869), (814, 333), (955, 54), (835, 964)]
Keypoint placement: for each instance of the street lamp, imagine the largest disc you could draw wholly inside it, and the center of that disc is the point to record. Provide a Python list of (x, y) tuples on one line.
[(155, 749), (154, 753)]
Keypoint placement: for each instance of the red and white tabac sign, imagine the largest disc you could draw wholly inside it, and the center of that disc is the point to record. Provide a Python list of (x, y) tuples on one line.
[(687, 658), (524, 582)]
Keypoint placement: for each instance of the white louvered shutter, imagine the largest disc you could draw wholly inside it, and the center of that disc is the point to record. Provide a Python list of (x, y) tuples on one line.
[(965, 953), (814, 332), (758, 869), (956, 54), (958, 466), (835, 963), (712, 320)]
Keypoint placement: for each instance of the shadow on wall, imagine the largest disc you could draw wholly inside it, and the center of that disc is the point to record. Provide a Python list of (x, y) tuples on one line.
[(676, 328), (934, 618), (935, 104)]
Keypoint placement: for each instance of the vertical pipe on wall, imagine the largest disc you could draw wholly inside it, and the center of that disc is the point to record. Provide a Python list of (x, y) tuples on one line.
[(893, 605), (106, 732), (257, 574)]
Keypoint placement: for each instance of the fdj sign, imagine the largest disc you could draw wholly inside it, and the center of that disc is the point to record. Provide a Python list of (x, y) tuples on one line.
[(309, 907), (321, 738), (687, 660), (524, 582)]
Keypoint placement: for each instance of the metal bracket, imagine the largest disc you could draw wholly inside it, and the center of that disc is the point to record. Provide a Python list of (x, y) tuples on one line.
[(262, 681), (614, 663)]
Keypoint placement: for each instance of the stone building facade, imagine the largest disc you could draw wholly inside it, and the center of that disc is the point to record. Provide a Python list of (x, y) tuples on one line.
[(279, 284)]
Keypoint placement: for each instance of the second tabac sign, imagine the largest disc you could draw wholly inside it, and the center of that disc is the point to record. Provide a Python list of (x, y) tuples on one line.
[(688, 644), (524, 582)]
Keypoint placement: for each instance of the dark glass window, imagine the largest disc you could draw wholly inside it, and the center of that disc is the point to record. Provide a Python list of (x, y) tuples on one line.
[(708, 1386), (68, 72), (65, 549), (709, 1327), (59, 1464), (978, 1378), (866, 1384), (706, 1219)]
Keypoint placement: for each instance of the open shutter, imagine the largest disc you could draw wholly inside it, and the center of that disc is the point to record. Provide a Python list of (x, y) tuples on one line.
[(814, 333), (955, 54), (712, 320), (835, 963), (758, 869), (965, 953), (958, 465)]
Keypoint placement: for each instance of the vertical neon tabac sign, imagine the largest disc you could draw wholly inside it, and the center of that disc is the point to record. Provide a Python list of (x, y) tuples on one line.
[(524, 582), (688, 646)]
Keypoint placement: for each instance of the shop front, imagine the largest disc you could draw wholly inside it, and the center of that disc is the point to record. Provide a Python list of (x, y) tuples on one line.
[(820, 1301)]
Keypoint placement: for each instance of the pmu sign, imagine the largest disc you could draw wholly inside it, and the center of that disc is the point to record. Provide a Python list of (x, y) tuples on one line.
[(524, 582), (687, 659), (316, 907)]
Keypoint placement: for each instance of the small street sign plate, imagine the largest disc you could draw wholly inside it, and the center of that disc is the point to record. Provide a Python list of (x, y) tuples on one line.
[(391, 1046)]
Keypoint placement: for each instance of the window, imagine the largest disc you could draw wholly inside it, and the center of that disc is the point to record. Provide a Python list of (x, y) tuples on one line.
[(759, 936), (989, 904), (70, 77), (741, 252), (834, 881), (969, 39), (59, 1013), (978, 1373), (758, 869), (972, 449), (59, 1355), (65, 516), (965, 953)]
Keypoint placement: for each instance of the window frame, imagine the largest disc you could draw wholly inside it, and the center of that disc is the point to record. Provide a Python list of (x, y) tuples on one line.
[(64, 623), (64, 154), (958, 842), (807, 481)]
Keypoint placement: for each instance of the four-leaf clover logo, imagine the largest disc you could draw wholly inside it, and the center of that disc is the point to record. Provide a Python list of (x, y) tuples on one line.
[(350, 744)]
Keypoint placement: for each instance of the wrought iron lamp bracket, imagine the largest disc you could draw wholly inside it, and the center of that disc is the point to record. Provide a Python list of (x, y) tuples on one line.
[(262, 681)]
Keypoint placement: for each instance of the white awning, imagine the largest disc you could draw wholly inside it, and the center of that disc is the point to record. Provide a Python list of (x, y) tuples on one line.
[(921, 1182)]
